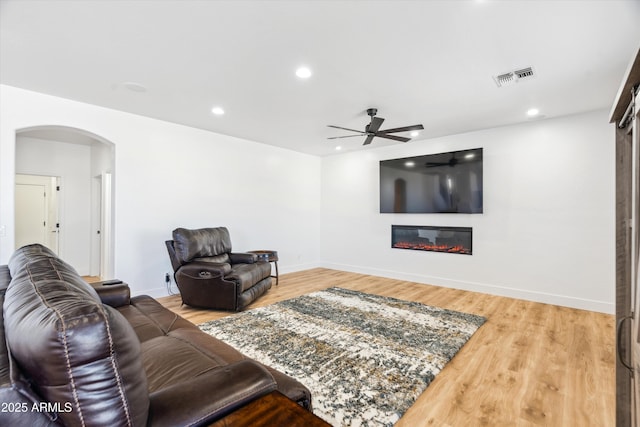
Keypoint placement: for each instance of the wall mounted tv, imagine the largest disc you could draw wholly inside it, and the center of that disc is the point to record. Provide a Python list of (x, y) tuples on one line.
[(435, 183)]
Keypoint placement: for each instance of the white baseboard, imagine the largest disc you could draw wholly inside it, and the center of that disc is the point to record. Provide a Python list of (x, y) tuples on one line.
[(297, 267), (154, 292), (503, 291)]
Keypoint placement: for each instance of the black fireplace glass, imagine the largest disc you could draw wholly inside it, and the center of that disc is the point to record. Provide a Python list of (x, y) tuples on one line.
[(457, 240)]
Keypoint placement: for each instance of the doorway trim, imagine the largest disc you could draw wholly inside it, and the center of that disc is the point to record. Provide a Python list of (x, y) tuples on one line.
[(104, 166)]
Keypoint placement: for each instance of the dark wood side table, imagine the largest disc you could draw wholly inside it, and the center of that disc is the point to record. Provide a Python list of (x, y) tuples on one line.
[(272, 256), (273, 409)]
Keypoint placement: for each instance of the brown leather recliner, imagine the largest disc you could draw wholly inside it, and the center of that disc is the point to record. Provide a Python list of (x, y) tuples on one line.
[(210, 275)]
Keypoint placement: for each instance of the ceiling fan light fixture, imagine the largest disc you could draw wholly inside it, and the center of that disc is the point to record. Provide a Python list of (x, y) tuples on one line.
[(414, 134)]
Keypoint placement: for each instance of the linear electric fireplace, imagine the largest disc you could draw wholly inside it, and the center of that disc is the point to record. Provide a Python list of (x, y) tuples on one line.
[(456, 240)]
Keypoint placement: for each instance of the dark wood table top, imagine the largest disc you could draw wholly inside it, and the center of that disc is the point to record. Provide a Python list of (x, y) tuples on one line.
[(271, 254), (273, 409)]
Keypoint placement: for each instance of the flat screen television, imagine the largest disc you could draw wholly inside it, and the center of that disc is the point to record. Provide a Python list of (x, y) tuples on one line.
[(434, 183)]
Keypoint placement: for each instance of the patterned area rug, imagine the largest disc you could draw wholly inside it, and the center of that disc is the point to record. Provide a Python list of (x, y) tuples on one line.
[(365, 358)]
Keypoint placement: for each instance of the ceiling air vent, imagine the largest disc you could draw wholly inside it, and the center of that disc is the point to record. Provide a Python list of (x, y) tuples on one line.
[(513, 76)]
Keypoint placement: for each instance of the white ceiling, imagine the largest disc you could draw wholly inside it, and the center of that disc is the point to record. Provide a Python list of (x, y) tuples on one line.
[(428, 62)]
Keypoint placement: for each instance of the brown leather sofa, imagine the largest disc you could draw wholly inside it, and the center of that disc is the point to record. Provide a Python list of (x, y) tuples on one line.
[(210, 275), (72, 354)]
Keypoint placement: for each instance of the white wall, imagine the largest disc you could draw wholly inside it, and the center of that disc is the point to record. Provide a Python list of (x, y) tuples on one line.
[(547, 231), (169, 176), (546, 234), (70, 162)]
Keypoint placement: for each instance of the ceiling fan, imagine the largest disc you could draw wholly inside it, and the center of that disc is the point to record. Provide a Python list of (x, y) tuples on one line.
[(372, 129)]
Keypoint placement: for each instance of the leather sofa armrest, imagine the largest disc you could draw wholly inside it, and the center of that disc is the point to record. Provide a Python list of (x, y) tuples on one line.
[(204, 285), (210, 396), (242, 258), (114, 295)]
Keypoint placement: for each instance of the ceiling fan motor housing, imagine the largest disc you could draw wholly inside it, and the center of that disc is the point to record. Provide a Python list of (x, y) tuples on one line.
[(371, 112)]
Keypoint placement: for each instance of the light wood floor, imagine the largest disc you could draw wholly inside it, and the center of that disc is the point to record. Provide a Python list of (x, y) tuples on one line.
[(530, 364)]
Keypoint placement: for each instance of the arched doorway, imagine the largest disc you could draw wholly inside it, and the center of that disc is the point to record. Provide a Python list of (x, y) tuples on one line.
[(82, 166)]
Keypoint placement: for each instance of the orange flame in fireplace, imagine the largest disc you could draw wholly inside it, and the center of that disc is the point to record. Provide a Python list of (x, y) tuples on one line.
[(458, 249)]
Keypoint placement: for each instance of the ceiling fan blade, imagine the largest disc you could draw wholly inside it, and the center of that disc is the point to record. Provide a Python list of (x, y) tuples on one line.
[(375, 124), (351, 130), (345, 136), (395, 138), (402, 129), (368, 140)]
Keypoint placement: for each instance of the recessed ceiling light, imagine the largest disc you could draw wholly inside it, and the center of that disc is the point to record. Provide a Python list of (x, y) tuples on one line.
[(414, 134), (469, 155), (338, 148), (217, 111), (303, 72), (532, 112), (409, 164)]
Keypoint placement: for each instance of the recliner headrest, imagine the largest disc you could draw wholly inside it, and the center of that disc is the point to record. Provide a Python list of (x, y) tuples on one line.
[(203, 242)]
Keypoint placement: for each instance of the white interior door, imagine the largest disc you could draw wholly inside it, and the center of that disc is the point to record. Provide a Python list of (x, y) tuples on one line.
[(31, 223), (36, 211)]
